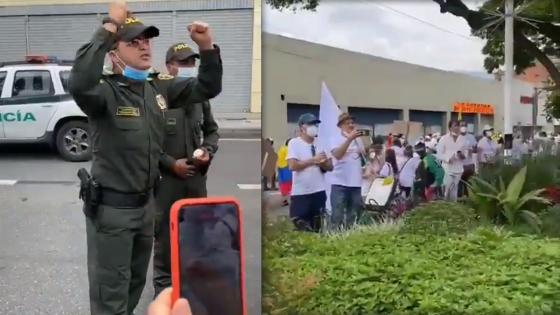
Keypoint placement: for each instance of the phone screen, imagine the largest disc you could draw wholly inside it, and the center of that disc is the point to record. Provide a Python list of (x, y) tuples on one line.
[(210, 259)]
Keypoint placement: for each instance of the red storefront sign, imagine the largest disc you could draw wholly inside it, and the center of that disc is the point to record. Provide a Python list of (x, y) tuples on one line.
[(473, 108)]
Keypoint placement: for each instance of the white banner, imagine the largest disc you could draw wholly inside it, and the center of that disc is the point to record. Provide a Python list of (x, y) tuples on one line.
[(328, 115)]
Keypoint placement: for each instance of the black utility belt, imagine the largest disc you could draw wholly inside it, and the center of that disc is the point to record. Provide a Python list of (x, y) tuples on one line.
[(111, 198)]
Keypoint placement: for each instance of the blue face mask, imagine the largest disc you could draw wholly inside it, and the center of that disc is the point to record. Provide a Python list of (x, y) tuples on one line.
[(135, 74), (131, 73), (186, 72)]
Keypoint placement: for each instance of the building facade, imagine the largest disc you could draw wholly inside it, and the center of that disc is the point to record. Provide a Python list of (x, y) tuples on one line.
[(376, 91), (59, 28)]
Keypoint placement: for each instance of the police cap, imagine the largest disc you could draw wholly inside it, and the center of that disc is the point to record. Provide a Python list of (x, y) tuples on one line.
[(180, 52), (133, 28)]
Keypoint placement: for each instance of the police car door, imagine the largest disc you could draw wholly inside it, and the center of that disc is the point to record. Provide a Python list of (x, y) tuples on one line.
[(3, 75), (30, 105)]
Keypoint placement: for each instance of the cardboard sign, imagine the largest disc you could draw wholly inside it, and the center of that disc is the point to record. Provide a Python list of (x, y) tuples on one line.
[(269, 164), (269, 158), (415, 131), (399, 127)]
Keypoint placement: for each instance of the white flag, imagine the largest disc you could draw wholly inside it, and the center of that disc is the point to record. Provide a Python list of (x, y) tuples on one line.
[(328, 115)]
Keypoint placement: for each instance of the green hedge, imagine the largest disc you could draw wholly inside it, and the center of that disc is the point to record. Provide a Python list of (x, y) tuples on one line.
[(441, 218), (370, 272)]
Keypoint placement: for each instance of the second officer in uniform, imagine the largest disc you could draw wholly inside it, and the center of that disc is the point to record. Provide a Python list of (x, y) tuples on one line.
[(189, 127), (126, 114)]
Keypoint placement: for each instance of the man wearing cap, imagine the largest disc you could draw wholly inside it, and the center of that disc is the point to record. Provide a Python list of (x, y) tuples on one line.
[(126, 112), (187, 128), (348, 152), (308, 164)]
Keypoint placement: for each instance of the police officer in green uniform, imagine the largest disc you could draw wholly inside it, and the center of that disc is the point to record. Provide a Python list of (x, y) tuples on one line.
[(188, 128), (126, 114)]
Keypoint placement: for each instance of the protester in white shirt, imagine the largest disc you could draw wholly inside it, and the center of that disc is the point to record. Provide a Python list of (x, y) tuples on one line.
[(399, 151), (469, 161), (390, 167), (487, 148), (451, 151), (517, 148), (349, 157), (308, 164), (407, 173)]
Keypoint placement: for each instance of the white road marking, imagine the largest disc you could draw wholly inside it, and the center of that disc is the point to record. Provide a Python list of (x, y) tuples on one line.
[(241, 139), (7, 182), (249, 186)]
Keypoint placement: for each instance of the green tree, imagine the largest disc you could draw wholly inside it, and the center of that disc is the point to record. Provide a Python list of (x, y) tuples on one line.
[(536, 36), (536, 33)]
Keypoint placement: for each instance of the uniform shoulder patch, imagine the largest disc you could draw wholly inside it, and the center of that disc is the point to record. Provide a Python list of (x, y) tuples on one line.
[(163, 76)]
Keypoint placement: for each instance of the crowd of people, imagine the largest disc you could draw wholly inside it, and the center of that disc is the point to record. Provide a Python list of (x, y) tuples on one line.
[(432, 167)]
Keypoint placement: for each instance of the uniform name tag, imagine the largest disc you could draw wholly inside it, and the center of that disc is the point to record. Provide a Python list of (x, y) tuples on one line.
[(128, 111)]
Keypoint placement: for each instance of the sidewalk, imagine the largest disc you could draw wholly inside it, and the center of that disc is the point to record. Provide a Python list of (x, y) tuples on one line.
[(242, 125), (273, 205)]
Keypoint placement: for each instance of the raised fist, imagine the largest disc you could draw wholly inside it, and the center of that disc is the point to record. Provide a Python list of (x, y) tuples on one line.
[(118, 11), (200, 34)]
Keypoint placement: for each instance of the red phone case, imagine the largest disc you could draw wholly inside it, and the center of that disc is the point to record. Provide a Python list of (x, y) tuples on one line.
[(174, 216)]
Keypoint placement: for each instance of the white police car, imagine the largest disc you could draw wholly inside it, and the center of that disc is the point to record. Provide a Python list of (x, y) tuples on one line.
[(35, 107)]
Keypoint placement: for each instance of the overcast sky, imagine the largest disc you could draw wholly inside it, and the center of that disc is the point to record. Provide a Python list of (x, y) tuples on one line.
[(374, 27)]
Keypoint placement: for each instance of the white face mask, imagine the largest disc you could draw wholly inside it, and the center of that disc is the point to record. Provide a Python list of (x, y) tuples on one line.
[(453, 133), (312, 131), (489, 134), (187, 72), (463, 129), (372, 155)]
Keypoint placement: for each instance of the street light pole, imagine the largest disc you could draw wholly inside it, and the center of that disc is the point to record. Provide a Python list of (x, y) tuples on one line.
[(508, 80), (535, 112)]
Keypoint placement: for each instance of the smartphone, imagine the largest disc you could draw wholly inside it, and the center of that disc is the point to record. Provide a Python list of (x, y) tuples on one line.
[(207, 262), (364, 132)]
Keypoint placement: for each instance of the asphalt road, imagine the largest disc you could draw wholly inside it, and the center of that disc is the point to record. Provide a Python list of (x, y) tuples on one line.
[(42, 230)]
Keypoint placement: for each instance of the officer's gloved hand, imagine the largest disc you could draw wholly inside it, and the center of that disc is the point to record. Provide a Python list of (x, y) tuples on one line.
[(183, 169), (162, 305)]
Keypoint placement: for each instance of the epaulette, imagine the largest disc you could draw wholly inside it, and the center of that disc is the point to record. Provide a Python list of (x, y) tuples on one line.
[(163, 76)]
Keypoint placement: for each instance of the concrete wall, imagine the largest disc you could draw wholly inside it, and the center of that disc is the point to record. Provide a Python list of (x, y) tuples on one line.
[(256, 89), (296, 68)]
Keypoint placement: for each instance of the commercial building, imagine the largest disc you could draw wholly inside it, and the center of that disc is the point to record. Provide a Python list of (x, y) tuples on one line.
[(59, 28), (377, 91)]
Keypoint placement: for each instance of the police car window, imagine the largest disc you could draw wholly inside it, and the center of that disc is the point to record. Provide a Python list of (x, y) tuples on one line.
[(64, 76), (32, 83), (2, 79)]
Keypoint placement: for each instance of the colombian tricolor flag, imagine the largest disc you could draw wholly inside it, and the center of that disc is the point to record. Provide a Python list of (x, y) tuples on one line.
[(284, 172)]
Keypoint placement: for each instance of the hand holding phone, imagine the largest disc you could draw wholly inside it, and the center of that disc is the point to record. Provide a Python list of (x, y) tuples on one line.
[(207, 255), (163, 305)]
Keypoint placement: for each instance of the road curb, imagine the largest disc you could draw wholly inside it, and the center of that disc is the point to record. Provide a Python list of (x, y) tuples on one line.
[(240, 133)]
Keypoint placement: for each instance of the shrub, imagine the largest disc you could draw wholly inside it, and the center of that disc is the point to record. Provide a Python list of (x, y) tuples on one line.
[(551, 222), (506, 203), (542, 172), (485, 272), (440, 218)]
